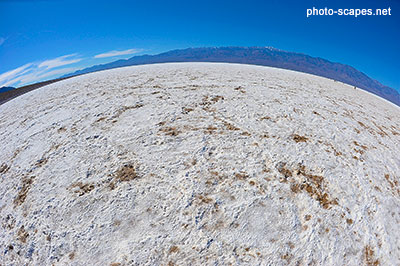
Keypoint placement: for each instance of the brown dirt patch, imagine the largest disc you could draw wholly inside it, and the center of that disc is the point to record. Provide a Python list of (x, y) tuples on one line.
[(210, 130), (299, 138), (61, 129), (41, 162), (4, 168), (240, 89), (22, 234), (126, 173), (124, 109), (242, 176), (229, 126), (265, 118), (186, 110), (173, 249), (100, 119), (71, 255), (23, 192), (394, 184), (369, 257), (82, 189), (301, 180), (170, 131), (215, 99)]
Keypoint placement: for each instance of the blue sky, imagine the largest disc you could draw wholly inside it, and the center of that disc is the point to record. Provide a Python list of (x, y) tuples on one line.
[(40, 40)]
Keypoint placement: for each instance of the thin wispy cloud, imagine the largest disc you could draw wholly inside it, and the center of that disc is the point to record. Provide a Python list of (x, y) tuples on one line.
[(37, 71), (32, 77), (59, 61), (2, 40), (9, 75), (117, 53)]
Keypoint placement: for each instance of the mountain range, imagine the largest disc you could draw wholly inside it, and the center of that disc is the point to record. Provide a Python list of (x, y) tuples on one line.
[(264, 56), (4, 89)]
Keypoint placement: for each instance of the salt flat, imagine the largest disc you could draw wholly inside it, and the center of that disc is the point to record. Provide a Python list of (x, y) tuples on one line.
[(199, 164)]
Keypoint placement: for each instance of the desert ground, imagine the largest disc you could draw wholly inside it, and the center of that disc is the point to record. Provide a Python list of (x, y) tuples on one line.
[(199, 164)]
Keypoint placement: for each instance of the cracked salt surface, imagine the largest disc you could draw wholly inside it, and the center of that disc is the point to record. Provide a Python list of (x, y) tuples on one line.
[(199, 163)]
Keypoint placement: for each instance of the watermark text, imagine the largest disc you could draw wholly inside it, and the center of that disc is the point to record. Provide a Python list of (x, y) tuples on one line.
[(355, 12)]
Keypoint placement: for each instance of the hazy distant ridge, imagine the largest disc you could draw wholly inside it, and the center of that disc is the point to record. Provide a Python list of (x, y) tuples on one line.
[(4, 89)]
